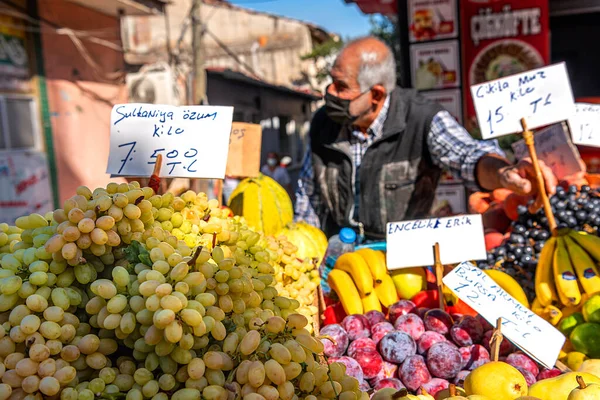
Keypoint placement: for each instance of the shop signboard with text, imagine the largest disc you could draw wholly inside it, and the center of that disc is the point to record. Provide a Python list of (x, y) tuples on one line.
[(501, 38)]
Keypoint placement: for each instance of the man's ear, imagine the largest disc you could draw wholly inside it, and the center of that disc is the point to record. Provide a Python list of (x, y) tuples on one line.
[(378, 93)]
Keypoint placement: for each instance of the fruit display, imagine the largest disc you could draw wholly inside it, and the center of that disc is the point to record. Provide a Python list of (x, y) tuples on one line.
[(264, 203), (519, 251), (295, 277), (101, 300), (310, 241), (424, 350), (362, 283)]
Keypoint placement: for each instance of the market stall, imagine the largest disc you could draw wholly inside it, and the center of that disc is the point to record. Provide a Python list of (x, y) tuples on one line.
[(127, 292)]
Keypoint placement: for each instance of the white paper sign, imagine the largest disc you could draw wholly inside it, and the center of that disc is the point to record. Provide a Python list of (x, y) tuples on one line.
[(193, 140), (410, 243), (585, 125), (542, 96), (520, 325)]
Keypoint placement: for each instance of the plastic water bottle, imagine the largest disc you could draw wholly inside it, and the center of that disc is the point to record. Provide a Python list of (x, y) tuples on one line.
[(338, 245)]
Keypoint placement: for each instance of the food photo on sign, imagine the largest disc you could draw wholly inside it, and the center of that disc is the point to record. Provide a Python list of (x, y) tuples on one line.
[(435, 65), (432, 19)]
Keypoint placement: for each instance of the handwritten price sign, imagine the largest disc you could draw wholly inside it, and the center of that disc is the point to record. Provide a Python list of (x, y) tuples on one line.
[(244, 150), (542, 96), (410, 243), (520, 325), (585, 125), (193, 140)]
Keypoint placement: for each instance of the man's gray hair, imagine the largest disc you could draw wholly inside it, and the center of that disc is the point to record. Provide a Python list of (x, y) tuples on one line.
[(376, 69)]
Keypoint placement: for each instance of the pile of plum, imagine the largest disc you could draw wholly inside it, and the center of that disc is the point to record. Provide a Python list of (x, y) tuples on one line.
[(418, 348)]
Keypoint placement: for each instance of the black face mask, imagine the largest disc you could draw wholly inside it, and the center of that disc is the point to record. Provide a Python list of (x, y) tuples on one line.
[(339, 109)]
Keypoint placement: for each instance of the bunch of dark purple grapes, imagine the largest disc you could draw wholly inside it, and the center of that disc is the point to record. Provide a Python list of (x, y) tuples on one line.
[(517, 256)]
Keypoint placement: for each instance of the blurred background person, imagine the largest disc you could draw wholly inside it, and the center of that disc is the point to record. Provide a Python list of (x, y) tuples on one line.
[(273, 169)]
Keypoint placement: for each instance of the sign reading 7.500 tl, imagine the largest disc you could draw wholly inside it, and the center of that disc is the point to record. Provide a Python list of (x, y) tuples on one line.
[(542, 96), (193, 140)]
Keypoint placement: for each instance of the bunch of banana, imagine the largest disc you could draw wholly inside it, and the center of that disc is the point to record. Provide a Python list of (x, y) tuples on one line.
[(567, 270), (361, 281)]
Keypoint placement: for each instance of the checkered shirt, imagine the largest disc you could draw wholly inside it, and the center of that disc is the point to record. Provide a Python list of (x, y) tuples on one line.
[(450, 145)]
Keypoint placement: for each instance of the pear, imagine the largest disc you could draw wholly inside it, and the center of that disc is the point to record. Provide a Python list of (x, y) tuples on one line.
[(452, 393), (560, 386), (496, 380), (591, 367), (478, 397), (584, 391), (388, 394), (402, 394), (527, 398)]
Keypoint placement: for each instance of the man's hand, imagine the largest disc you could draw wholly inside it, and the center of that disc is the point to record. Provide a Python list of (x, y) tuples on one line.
[(520, 178)]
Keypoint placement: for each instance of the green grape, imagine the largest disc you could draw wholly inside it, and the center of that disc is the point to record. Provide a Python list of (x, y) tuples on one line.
[(120, 276)]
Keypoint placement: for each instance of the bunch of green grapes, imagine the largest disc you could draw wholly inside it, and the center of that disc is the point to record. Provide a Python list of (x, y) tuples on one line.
[(9, 237), (176, 305), (295, 278)]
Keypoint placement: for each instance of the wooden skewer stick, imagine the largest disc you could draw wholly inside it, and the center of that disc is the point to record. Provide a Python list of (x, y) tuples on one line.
[(496, 340), (439, 274), (155, 178), (530, 142), (562, 367)]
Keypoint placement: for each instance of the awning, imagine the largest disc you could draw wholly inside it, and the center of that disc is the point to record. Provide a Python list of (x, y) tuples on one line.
[(385, 7), (129, 7)]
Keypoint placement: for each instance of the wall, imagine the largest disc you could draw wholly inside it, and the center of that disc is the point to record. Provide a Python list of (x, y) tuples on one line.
[(80, 99), (277, 61)]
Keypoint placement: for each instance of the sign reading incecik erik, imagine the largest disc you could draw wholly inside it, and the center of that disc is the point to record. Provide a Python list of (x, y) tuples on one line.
[(542, 96), (193, 140), (520, 325), (410, 243)]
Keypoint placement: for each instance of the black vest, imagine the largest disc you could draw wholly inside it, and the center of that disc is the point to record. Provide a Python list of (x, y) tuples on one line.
[(397, 177)]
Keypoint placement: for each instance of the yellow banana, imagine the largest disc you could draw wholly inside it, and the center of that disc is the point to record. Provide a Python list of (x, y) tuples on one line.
[(584, 266), (358, 269), (371, 303), (344, 287), (590, 243), (552, 314), (409, 281), (567, 286), (509, 284), (376, 265), (386, 291), (545, 289), (536, 306)]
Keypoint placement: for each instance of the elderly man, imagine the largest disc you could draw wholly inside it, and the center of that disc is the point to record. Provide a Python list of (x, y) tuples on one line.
[(377, 151)]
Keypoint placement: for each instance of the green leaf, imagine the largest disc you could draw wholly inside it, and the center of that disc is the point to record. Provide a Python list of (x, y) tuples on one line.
[(145, 259), (132, 252)]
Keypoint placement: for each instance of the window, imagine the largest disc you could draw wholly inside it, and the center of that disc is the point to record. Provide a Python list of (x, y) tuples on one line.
[(19, 126)]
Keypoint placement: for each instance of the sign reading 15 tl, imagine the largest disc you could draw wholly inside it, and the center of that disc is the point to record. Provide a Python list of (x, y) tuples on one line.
[(193, 140)]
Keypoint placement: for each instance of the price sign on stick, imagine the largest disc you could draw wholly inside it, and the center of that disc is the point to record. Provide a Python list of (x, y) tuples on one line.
[(520, 325), (193, 140), (244, 150), (409, 243), (585, 125), (542, 96), (555, 149)]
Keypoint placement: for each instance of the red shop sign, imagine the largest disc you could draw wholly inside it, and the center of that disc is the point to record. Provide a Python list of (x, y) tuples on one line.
[(501, 38)]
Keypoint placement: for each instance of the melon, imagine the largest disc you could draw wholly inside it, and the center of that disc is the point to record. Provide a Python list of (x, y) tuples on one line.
[(264, 204), (310, 241)]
